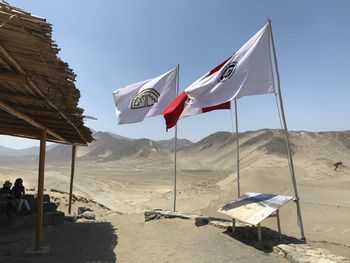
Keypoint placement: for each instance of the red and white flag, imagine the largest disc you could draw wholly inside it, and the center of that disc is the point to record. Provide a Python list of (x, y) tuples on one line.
[(181, 108), (246, 72)]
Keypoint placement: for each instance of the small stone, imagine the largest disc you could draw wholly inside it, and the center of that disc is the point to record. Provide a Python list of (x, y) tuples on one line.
[(83, 209), (151, 215), (70, 217), (87, 215), (220, 224), (201, 221)]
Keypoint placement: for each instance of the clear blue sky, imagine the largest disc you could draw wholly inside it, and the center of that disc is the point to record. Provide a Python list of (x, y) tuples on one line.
[(110, 44)]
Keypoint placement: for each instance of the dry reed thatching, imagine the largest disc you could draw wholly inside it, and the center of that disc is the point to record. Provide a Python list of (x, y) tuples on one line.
[(37, 89)]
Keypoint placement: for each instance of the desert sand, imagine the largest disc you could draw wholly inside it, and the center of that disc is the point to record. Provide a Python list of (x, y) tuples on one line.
[(206, 181)]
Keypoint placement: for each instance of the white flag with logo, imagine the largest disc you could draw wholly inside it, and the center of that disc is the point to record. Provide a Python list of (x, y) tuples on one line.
[(146, 98), (246, 72)]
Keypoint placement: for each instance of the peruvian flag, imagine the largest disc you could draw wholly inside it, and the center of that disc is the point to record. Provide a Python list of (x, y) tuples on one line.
[(181, 108)]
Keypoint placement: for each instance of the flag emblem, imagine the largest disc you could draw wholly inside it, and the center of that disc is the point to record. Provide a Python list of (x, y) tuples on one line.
[(228, 71), (146, 98)]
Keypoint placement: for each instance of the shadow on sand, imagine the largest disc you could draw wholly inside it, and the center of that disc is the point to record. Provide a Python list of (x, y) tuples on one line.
[(270, 238), (76, 242)]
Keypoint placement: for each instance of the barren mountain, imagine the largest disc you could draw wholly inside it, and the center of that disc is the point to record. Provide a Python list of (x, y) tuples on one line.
[(220, 148), (217, 150), (168, 145)]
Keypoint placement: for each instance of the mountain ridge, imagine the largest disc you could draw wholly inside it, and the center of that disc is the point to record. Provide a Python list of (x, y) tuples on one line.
[(216, 149)]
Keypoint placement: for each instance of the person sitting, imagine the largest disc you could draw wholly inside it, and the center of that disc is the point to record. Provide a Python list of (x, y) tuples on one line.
[(18, 193), (6, 195)]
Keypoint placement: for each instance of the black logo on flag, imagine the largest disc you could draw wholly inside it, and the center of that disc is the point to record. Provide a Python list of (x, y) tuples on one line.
[(228, 71), (146, 98)]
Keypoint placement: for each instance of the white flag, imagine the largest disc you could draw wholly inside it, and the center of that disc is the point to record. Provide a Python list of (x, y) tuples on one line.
[(146, 98), (247, 72)]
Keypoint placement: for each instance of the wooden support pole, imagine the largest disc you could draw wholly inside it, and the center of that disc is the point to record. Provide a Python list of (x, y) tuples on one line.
[(39, 209), (233, 225), (259, 233), (279, 224), (71, 179)]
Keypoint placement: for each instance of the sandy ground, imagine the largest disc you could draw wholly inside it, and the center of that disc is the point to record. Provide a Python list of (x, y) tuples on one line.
[(132, 187), (127, 238), (176, 240)]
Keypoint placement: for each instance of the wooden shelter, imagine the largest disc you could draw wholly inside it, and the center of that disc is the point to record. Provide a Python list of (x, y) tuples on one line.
[(38, 97)]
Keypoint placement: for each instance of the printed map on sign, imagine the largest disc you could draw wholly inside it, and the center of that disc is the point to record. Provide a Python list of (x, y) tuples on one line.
[(252, 208)]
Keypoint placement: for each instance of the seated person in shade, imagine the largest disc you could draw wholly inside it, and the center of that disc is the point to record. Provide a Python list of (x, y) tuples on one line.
[(18, 193), (6, 195)]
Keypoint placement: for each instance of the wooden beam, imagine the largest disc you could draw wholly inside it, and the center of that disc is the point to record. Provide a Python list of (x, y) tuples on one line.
[(71, 179), (26, 99), (24, 126), (19, 133), (10, 59), (9, 119), (13, 77), (40, 112), (36, 89), (6, 117), (28, 119), (34, 135), (39, 209), (3, 62), (13, 126), (57, 122), (37, 112)]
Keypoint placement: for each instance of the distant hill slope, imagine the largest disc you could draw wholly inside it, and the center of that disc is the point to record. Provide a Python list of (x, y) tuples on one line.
[(107, 148), (217, 150), (168, 145), (32, 151), (111, 147)]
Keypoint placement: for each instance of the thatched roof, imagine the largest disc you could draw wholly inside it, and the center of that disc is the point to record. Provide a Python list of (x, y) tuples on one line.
[(37, 89)]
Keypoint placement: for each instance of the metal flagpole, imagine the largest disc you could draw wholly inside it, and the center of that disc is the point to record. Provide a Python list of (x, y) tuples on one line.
[(237, 152), (290, 158), (175, 139)]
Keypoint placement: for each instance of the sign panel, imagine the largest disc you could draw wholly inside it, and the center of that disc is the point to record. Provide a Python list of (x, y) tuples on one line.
[(252, 208)]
